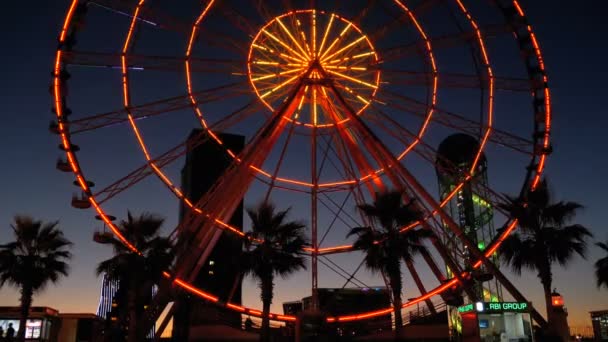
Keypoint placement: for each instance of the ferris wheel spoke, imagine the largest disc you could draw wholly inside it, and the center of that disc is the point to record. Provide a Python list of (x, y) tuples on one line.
[(274, 57), (242, 22), (144, 171), (157, 63), (332, 266), (351, 275), (450, 80), (147, 15), (174, 153), (413, 189), (275, 174), (489, 198), (348, 47), (459, 122), (416, 277), (403, 18), (220, 201), (352, 79), (335, 210), (442, 42), (263, 11), (224, 41), (155, 108), (325, 160), (334, 219), (349, 153)]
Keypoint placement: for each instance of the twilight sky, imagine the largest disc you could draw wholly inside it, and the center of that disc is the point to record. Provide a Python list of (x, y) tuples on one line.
[(570, 37)]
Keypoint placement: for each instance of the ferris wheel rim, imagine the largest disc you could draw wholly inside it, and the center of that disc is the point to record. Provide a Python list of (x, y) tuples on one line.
[(73, 161)]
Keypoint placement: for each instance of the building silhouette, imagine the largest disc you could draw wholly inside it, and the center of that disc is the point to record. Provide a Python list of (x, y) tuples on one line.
[(471, 210), (112, 301), (106, 296), (204, 164)]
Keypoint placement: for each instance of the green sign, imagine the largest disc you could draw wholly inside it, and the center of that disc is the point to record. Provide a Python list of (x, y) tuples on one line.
[(466, 308), (495, 307)]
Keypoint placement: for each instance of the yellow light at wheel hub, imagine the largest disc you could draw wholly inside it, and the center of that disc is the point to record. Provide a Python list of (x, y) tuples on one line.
[(325, 48)]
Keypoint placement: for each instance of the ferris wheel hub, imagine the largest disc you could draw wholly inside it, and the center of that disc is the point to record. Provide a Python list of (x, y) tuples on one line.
[(324, 51)]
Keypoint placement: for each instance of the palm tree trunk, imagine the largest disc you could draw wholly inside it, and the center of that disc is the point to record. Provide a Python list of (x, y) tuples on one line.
[(132, 308), (26, 302), (397, 312), (548, 302), (546, 280), (267, 289), (395, 280)]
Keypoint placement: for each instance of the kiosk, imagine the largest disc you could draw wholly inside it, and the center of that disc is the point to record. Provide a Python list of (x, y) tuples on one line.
[(496, 322)]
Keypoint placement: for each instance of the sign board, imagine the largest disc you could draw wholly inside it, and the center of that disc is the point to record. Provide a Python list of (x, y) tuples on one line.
[(495, 307)]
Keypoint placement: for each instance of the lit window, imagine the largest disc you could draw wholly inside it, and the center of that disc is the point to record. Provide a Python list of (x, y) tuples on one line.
[(211, 262)]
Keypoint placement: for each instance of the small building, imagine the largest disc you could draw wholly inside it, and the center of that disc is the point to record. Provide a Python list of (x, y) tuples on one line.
[(80, 327), (599, 319), (495, 321), (42, 325), (48, 325), (344, 301)]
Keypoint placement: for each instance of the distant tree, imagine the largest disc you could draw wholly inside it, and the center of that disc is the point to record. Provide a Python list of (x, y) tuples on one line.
[(386, 246), (137, 272), (546, 237), (38, 255), (273, 247), (601, 266)]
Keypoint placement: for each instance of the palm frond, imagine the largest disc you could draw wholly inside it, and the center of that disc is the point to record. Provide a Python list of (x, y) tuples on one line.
[(602, 245), (281, 252), (601, 272), (560, 213), (156, 253), (39, 254)]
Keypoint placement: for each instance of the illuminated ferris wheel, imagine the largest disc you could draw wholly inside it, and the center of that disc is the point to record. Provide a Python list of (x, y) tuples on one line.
[(338, 100)]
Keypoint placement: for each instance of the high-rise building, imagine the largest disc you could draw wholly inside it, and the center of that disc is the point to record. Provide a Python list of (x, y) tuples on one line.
[(470, 209), (344, 301), (106, 297), (205, 164), (599, 319), (112, 301)]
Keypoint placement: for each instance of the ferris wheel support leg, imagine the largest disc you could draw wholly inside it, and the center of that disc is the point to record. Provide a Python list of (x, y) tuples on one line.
[(432, 265), (418, 281), (376, 149), (395, 165), (447, 258), (419, 189), (161, 328), (313, 224), (230, 188), (455, 228), (346, 146), (203, 227)]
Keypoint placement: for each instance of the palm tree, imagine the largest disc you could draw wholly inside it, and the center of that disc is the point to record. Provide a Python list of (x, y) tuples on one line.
[(601, 266), (38, 256), (273, 247), (386, 246), (546, 237), (136, 271)]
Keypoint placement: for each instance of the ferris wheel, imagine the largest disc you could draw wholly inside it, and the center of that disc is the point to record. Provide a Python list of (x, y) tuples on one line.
[(338, 100)]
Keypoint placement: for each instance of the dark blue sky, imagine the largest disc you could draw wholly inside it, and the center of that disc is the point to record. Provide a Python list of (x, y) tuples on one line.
[(572, 38)]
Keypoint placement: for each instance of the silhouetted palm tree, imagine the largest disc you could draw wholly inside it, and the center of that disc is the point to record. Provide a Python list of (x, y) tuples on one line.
[(277, 252), (386, 246), (137, 272), (545, 238), (38, 256), (601, 266)]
